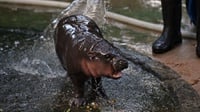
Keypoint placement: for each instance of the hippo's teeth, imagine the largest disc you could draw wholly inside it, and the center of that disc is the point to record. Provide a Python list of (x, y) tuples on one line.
[(117, 75)]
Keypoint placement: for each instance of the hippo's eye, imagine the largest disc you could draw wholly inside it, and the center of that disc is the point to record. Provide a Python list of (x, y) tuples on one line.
[(108, 57), (96, 58)]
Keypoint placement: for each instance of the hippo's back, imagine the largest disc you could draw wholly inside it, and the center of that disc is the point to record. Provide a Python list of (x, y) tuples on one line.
[(74, 36)]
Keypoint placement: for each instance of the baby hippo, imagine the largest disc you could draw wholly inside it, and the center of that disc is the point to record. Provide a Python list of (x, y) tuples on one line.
[(85, 54)]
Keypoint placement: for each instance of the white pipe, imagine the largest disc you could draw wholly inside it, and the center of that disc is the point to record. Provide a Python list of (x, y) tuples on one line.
[(134, 22), (109, 15), (46, 3), (144, 25)]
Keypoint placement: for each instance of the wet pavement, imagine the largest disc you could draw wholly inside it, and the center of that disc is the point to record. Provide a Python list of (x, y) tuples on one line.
[(33, 80), (184, 61)]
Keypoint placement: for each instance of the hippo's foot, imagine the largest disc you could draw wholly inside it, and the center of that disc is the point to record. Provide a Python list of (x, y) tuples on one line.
[(77, 102)]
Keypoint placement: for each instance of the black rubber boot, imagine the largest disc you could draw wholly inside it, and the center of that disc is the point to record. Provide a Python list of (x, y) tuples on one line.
[(198, 27), (171, 36)]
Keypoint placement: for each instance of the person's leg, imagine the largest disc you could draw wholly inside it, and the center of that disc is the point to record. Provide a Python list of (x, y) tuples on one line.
[(198, 27), (171, 36)]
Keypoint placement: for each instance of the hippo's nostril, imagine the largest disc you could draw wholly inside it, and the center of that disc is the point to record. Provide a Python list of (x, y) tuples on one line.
[(123, 64)]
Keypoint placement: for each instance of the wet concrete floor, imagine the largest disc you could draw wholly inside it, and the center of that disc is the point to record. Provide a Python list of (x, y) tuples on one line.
[(32, 80), (183, 60)]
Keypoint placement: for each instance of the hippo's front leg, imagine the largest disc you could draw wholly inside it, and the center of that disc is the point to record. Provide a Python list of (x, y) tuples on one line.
[(78, 82), (97, 88)]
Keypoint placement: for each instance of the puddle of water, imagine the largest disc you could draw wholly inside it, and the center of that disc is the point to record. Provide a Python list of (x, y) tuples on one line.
[(20, 18)]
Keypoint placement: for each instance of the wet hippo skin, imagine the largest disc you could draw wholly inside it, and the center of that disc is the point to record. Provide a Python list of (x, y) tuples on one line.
[(85, 54)]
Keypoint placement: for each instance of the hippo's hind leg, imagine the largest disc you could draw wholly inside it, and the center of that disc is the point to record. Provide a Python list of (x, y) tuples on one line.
[(97, 88), (79, 83)]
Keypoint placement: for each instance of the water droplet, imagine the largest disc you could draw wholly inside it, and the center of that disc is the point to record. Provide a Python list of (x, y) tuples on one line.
[(16, 43), (42, 37)]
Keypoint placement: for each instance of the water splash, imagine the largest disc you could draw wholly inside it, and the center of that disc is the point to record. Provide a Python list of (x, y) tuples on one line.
[(39, 60), (36, 67), (94, 9)]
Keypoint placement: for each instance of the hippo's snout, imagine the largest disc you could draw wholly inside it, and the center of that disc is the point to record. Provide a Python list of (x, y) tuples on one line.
[(120, 64)]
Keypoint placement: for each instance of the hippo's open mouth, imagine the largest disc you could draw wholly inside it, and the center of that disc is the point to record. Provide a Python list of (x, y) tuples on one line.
[(117, 75)]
